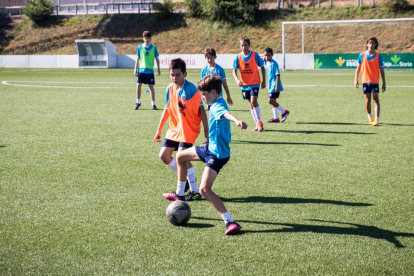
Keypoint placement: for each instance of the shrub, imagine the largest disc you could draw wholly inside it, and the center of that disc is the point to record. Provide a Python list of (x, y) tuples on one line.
[(194, 8), (232, 11), (38, 10), (399, 5), (166, 8)]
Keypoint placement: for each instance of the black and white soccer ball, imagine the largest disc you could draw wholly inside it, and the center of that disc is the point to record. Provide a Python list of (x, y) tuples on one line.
[(178, 213)]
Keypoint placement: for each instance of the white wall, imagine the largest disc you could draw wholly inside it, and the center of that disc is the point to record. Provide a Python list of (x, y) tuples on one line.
[(293, 61)]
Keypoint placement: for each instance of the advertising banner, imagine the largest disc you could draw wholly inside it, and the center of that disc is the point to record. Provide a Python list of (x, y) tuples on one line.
[(350, 61)]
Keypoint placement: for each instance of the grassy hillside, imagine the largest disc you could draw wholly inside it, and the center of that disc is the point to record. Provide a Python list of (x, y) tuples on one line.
[(178, 34)]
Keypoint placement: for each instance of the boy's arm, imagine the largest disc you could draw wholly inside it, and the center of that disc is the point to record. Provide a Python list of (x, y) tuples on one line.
[(158, 65), (136, 67), (384, 87), (236, 78), (226, 88), (356, 84), (263, 77), (277, 83), (233, 118), (204, 120), (163, 119)]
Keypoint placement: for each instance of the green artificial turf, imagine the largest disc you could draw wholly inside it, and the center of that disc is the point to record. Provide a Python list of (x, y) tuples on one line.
[(324, 193)]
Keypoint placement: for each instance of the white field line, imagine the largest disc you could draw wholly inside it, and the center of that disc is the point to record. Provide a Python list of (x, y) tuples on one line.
[(34, 85)]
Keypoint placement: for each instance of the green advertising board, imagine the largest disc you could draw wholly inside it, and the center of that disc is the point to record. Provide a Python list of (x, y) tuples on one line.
[(350, 61)]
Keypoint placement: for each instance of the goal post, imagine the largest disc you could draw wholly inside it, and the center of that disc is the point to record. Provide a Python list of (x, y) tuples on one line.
[(304, 24)]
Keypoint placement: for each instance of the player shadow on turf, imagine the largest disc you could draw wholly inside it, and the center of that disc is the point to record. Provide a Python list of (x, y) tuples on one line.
[(321, 132), (282, 143), (197, 225), (290, 200), (348, 124), (353, 230)]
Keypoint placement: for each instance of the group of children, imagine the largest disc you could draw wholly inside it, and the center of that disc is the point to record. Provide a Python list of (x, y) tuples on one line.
[(185, 112)]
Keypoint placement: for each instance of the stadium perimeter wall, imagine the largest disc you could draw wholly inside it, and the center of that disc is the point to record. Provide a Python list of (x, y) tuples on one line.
[(293, 61)]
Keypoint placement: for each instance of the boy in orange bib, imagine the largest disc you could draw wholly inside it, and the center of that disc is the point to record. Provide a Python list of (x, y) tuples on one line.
[(371, 66)]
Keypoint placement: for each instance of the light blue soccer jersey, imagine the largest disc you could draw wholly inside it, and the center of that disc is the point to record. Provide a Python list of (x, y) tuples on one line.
[(381, 63), (259, 63), (146, 70), (185, 93), (219, 129), (272, 69), (218, 70)]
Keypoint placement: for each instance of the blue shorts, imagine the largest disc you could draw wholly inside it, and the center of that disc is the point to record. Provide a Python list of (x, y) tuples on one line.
[(274, 95), (210, 159), (146, 78), (173, 144), (254, 92), (370, 88)]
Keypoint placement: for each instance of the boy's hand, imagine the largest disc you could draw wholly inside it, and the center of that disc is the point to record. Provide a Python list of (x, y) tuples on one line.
[(159, 71), (241, 124), (356, 84), (157, 138), (239, 83), (135, 73), (263, 84), (384, 87), (229, 100)]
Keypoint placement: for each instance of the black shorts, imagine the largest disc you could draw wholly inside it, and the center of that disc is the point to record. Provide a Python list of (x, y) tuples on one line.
[(210, 159), (254, 92), (274, 95), (370, 88), (146, 78), (173, 144)]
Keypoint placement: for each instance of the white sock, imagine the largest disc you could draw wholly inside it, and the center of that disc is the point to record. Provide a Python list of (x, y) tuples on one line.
[(275, 115), (173, 165), (192, 180), (153, 103), (254, 115), (281, 109), (180, 188), (226, 217), (138, 101), (257, 110), (377, 119), (369, 115)]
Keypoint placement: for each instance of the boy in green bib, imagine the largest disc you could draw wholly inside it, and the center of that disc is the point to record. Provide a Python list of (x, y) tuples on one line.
[(144, 68)]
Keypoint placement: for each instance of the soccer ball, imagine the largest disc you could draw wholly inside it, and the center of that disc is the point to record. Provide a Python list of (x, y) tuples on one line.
[(178, 213)]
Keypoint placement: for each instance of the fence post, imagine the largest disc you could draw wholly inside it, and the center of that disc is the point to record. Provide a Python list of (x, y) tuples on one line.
[(76, 9), (119, 9)]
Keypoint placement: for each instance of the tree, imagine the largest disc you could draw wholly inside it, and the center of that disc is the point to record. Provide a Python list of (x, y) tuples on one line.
[(38, 10)]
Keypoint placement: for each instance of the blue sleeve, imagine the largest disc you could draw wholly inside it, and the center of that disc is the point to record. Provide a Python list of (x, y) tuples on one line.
[(259, 61), (222, 73), (156, 52), (203, 74), (220, 111), (139, 50), (167, 95), (277, 72), (360, 59), (236, 63), (381, 63)]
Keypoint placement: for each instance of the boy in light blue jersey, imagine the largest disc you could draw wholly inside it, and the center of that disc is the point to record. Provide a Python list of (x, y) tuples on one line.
[(217, 152), (213, 67), (144, 68), (275, 86), (248, 63)]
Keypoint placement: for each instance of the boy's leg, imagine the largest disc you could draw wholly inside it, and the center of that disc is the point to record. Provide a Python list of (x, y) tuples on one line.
[(138, 92), (377, 108), (206, 191), (368, 107), (255, 106), (166, 156), (274, 105), (152, 94)]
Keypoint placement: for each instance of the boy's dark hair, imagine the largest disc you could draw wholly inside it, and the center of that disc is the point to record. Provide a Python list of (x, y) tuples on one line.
[(178, 63), (146, 34), (373, 38), (210, 82), (210, 51), (245, 38), (269, 50)]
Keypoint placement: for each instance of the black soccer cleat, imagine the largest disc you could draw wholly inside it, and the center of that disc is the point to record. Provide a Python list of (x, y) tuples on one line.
[(137, 106)]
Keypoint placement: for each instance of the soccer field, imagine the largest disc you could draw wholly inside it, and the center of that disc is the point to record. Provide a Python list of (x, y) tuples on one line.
[(324, 193)]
